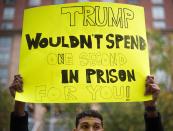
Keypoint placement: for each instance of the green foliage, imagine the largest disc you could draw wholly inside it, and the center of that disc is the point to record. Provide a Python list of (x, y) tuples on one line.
[(157, 48), (123, 116), (161, 51), (166, 109), (5, 109)]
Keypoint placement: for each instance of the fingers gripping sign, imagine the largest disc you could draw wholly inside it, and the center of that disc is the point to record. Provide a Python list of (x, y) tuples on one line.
[(152, 89), (17, 85)]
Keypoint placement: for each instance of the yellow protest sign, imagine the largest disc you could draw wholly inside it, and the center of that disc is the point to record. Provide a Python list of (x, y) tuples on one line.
[(84, 52)]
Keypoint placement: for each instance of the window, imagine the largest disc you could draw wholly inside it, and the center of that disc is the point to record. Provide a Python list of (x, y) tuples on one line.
[(7, 26), (3, 72), (133, 1), (58, 1), (8, 2), (8, 13), (108, 0), (157, 1), (3, 75), (34, 2), (5, 42), (4, 58), (159, 24), (5, 47), (158, 12)]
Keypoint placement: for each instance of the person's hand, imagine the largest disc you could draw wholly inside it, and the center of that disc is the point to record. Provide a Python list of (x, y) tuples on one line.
[(151, 89), (17, 86)]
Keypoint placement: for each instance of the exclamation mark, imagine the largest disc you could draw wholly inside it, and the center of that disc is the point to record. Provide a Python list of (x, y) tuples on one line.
[(127, 93)]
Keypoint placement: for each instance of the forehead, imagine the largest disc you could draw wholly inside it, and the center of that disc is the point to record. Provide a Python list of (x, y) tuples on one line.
[(90, 120)]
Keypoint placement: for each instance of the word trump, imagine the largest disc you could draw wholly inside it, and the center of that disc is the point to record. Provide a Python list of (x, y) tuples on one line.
[(99, 16)]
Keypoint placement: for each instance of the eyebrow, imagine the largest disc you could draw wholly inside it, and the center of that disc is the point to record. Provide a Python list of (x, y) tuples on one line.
[(88, 123)]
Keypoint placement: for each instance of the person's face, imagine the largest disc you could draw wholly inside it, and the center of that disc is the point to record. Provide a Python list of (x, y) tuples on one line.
[(89, 124)]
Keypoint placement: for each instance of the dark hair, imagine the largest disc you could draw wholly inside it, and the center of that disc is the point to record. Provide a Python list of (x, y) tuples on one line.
[(90, 113)]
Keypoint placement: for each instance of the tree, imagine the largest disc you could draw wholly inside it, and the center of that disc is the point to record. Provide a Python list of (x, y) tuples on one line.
[(161, 60), (161, 52), (5, 109)]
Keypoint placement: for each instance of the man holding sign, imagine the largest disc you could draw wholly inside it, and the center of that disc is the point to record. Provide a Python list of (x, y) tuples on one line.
[(88, 120), (78, 48)]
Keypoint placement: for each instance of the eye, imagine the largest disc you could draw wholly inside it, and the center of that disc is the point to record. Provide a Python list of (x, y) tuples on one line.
[(96, 127), (85, 126)]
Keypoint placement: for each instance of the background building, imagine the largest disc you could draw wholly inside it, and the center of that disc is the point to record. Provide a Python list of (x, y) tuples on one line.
[(158, 14)]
